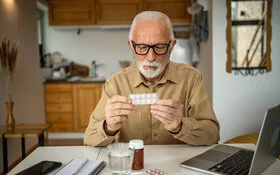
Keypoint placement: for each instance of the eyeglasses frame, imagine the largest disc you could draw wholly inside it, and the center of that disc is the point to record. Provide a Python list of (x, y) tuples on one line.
[(150, 46)]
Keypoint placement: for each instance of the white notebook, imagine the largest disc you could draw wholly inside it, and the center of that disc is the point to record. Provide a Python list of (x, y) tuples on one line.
[(82, 167)]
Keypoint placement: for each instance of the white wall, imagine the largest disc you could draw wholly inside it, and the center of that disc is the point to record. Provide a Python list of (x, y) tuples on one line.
[(239, 101), (206, 63), (106, 46), (18, 22)]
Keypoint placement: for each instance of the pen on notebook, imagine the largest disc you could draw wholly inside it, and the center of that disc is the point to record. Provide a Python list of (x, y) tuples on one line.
[(80, 167)]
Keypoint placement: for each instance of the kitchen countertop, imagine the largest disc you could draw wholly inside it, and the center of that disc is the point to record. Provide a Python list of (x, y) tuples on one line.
[(76, 80)]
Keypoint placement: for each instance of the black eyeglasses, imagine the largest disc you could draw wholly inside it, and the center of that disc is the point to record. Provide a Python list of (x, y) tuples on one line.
[(143, 49)]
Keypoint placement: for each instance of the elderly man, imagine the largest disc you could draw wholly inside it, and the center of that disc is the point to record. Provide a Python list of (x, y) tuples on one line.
[(182, 114)]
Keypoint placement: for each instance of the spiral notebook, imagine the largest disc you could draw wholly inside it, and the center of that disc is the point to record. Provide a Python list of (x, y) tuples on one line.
[(82, 167)]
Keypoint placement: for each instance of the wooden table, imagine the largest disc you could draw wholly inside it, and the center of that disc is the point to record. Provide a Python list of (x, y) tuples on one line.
[(22, 131), (248, 138), (164, 157)]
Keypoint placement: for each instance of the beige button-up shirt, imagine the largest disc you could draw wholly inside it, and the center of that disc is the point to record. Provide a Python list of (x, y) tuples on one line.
[(180, 82)]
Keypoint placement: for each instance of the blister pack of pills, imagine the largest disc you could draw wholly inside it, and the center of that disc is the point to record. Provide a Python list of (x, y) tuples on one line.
[(155, 171), (143, 99)]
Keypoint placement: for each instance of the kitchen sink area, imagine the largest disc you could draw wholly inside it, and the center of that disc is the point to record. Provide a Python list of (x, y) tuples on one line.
[(76, 79), (86, 79)]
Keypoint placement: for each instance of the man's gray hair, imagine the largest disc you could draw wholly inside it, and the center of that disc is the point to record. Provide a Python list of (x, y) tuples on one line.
[(153, 16)]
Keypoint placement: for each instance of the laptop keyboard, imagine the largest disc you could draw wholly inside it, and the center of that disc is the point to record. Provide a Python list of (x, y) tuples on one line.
[(237, 164)]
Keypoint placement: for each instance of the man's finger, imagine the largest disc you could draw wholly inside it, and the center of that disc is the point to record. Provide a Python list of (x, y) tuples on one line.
[(163, 115), (166, 109), (121, 112), (119, 119), (120, 105), (169, 102), (115, 120), (118, 98), (163, 120)]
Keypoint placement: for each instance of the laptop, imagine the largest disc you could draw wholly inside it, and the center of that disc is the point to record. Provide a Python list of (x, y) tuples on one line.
[(225, 159)]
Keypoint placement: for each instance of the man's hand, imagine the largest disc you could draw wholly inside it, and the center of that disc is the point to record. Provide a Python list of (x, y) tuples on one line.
[(170, 113), (116, 111)]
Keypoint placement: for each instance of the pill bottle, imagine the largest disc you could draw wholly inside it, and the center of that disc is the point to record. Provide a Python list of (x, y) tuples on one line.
[(138, 160)]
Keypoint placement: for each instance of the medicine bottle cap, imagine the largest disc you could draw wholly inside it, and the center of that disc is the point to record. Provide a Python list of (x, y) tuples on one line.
[(138, 144)]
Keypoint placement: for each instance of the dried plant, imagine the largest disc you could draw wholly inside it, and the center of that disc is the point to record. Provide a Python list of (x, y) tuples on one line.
[(8, 58)]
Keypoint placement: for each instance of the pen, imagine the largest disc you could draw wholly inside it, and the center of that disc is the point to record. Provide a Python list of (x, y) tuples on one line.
[(80, 167)]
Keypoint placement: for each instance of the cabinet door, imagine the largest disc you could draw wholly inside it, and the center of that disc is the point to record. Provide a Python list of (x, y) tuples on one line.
[(86, 97), (58, 88), (61, 122), (175, 9), (71, 12), (58, 107), (59, 98), (117, 12)]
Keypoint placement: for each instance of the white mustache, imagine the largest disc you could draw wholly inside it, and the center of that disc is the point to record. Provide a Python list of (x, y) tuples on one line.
[(146, 63), (152, 73)]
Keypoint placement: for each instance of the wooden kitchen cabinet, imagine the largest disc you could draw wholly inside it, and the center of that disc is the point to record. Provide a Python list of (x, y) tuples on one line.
[(59, 108), (71, 12), (86, 97), (69, 105), (112, 12), (117, 12), (175, 9)]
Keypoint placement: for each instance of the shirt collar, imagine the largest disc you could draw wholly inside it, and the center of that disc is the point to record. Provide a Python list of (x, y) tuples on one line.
[(169, 74)]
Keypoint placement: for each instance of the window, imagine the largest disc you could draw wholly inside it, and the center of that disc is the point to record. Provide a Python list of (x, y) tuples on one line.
[(248, 36)]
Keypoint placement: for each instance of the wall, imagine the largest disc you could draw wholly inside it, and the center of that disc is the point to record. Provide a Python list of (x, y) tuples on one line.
[(206, 63), (239, 101), (18, 22), (106, 46)]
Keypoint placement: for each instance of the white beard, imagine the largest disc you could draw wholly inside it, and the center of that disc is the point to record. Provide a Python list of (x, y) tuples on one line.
[(152, 73)]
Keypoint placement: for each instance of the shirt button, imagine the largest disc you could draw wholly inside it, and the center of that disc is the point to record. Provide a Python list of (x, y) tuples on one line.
[(155, 134), (154, 89)]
